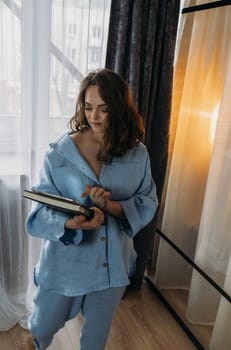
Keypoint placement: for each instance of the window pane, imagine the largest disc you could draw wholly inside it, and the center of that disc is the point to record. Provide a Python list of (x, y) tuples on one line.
[(10, 83), (10, 60), (79, 39)]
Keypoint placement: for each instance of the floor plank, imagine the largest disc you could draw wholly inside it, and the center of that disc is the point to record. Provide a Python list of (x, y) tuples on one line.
[(142, 322), (178, 299)]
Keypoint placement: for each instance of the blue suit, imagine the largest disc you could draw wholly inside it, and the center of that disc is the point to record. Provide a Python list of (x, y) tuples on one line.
[(76, 262)]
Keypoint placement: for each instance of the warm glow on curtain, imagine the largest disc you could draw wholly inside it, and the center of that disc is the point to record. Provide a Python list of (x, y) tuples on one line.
[(213, 251), (198, 203)]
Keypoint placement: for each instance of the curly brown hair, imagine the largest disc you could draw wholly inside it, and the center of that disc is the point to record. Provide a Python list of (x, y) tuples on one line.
[(125, 126)]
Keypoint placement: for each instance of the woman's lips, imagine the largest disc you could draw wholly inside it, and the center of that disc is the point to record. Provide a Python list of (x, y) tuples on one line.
[(96, 124)]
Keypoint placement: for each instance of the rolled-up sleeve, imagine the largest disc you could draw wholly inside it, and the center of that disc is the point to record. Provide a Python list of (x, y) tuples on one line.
[(141, 207), (45, 222)]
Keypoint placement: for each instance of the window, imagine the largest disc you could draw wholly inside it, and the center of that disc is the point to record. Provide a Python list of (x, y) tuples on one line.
[(79, 23), (96, 31), (39, 82)]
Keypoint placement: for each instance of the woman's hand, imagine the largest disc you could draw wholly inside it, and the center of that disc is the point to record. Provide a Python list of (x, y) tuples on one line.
[(80, 222), (99, 196)]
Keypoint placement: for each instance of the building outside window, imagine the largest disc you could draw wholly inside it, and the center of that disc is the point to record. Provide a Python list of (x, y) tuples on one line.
[(78, 45)]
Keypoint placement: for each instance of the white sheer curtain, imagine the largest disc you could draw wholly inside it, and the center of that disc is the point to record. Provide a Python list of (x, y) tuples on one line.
[(47, 47), (198, 197)]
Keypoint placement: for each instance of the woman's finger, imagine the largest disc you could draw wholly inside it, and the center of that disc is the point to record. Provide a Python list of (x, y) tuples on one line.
[(86, 192)]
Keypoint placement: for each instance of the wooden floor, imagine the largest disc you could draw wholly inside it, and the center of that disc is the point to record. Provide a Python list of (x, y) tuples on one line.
[(178, 300), (140, 323)]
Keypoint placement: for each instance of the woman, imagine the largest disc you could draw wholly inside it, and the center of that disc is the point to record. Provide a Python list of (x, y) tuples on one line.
[(85, 265)]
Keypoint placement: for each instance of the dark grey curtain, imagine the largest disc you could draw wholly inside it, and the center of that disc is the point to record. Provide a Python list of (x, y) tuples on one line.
[(141, 44)]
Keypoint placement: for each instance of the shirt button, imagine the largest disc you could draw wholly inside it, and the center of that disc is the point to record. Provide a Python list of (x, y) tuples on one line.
[(105, 264), (103, 238)]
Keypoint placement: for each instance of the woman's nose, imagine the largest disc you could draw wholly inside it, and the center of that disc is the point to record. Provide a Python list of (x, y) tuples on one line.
[(94, 114)]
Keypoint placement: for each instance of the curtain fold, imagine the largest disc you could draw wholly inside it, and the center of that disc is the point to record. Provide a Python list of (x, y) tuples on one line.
[(13, 282), (213, 251), (36, 39), (197, 207), (141, 44)]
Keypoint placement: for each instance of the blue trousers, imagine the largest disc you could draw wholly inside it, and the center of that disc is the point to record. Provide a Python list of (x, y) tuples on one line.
[(52, 310)]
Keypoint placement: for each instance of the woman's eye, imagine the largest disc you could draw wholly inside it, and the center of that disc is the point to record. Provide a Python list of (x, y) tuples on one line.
[(104, 110), (101, 109)]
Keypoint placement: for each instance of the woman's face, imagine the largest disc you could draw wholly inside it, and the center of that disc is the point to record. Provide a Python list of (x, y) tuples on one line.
[(96, 110)]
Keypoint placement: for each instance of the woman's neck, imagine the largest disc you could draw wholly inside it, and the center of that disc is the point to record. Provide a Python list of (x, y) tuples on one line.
[(97, 137)]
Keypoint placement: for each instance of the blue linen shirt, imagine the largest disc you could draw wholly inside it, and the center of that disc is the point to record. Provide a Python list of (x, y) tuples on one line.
[(77, 262)]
